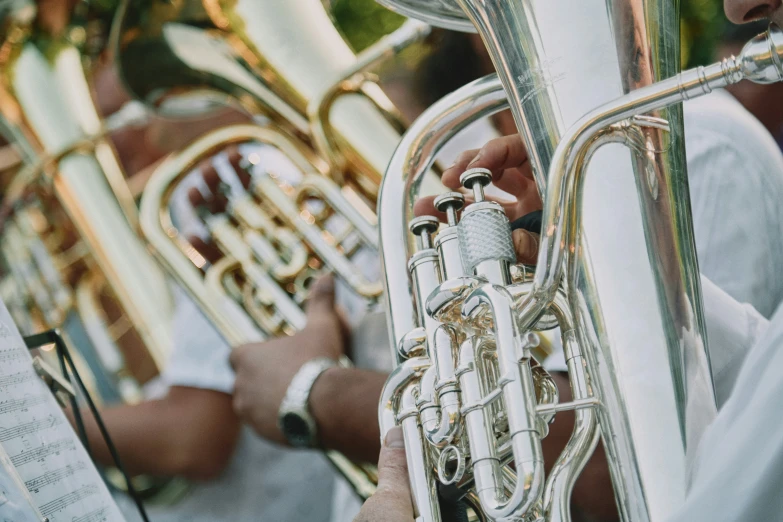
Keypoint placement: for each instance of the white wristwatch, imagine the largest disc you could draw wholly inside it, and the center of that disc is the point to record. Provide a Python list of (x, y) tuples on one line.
[(294, 418)]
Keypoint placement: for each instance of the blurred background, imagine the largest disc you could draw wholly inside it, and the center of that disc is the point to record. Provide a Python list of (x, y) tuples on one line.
[(703, 24), (446, 61)]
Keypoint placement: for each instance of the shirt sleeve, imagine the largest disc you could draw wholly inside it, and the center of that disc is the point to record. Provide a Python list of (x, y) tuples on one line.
[(738, 471), (199, 358), (732, 329)]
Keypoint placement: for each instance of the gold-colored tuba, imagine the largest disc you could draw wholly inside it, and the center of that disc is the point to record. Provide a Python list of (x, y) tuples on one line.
[(595, 89), (323, 135), (71, 255)]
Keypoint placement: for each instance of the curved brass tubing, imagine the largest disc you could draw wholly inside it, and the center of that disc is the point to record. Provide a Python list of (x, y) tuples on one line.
[(271, 244)]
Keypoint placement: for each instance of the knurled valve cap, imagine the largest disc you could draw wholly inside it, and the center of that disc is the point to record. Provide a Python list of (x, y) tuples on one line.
[(450, 203)]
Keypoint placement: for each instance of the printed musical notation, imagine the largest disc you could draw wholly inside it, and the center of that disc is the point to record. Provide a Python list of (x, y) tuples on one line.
[(52, 477), (41, 450)]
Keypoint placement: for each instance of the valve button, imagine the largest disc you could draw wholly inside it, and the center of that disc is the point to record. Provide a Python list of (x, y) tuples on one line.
[(450, 203), (477, 175), (449, 200), (424, 225)]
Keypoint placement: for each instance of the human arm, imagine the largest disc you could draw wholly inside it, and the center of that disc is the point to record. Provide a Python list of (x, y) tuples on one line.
[(190, 432), (343, 401)]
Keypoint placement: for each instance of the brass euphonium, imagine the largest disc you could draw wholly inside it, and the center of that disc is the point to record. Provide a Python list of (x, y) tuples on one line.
[(71, 254), (316, 105), (617, 266)]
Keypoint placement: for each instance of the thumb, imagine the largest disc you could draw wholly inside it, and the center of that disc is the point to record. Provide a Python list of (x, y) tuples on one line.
[(392, 500), (392, 464), (321, 298), (525, 246)]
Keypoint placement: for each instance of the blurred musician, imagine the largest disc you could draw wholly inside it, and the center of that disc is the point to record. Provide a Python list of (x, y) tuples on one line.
[(187, 426)]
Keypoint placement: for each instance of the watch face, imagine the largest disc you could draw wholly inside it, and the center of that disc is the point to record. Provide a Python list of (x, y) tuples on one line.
[(296, 429)]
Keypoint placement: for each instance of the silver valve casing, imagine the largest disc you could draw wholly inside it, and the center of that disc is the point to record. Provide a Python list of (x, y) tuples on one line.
[(446, 242), (484, 234)]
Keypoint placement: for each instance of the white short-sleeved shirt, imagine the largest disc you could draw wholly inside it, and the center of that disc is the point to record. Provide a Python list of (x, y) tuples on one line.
[(735, 171)]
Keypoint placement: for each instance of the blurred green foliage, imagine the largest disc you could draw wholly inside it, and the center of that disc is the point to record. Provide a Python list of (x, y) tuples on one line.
[(702, 25), (364, 21)]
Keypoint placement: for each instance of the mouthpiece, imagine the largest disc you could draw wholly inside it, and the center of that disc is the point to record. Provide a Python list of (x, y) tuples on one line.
[(761, 60)]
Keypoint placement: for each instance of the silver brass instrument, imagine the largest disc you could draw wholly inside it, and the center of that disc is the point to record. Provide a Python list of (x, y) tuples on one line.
[(72, 256), (317, 106), (617, 267)]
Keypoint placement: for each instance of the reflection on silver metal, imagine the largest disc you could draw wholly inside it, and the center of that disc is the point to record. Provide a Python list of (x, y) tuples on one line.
[(629, 308), (440, 13)]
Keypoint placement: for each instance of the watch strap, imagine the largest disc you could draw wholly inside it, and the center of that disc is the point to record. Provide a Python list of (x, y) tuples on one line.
[(298, 392)]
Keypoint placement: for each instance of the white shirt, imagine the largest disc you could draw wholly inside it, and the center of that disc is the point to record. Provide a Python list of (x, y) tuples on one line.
[(735, 171), (738, 472)]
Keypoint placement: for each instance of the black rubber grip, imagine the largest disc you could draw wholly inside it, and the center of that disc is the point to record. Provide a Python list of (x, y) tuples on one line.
[(452, 507), (530, 222)]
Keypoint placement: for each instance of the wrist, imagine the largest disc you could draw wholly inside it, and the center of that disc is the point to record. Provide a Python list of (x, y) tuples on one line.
[(344, 404), (324, 400), (295, 419), (324, 388)]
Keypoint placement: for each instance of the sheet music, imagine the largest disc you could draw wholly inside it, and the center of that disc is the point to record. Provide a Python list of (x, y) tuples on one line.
[(16, 504), (41, 445)]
